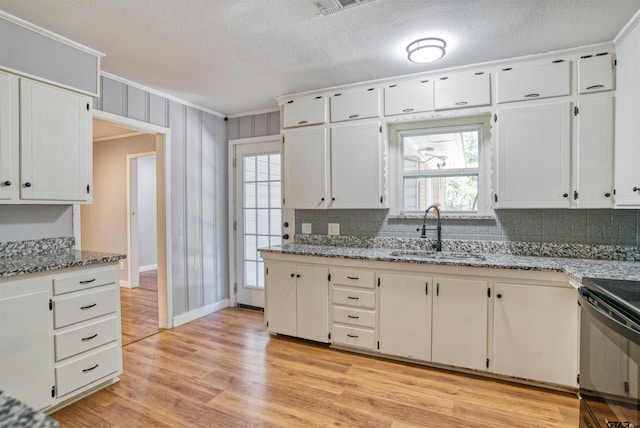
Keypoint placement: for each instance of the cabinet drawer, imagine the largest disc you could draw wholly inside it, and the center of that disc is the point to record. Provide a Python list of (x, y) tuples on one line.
[(595, 73), (463, 91), (532, 83), (81, 280), (358, 317), (89, 368), (363, 299), (353, 336), (360, 103), (304, 111), (408, 97), (81, 339), (84, 306), (353, 278)]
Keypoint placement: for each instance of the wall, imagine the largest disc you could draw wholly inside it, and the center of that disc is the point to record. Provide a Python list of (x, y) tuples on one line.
[(606, 226), (198, 186), (26, 222), (258, 125), (147, 215), (104, 223)]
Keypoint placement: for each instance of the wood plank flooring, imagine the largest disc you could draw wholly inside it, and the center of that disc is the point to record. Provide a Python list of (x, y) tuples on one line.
[(225, 370), (139, 313)]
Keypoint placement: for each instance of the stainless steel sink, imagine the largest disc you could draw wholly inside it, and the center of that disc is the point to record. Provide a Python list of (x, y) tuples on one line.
[(438, 255)]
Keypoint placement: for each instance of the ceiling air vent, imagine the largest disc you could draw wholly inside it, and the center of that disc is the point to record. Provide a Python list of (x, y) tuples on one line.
[(331, 6)]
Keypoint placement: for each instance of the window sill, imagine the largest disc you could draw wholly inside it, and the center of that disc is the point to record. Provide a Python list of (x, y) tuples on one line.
[(451, 216)]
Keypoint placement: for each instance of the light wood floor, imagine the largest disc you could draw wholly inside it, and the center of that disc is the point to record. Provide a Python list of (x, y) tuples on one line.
[(139, 313), (225, 370)]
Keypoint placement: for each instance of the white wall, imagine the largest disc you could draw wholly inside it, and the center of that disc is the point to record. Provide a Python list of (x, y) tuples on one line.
[(147, 218), (27, 222)]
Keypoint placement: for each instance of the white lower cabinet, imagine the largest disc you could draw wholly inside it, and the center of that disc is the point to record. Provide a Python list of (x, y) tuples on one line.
[(535, 333), (405, 315), (460, 310), (57, 343), (297, 300)]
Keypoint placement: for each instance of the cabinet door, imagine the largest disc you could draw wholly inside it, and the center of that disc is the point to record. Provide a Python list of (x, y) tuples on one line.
[(305, 154), (304, 111), (463, 91), (534, 145), (627, 149), (594, 154), (313, 303), (536, 333), (459, 327), (55, 144), (359, 103), (408, 97), (534, 82), (595, 73), (405, 316), (26, 371), (9, 137), (356, 166), (280, 298)]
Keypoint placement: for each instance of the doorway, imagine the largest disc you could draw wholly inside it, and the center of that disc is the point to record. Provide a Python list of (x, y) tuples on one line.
[(148, 140), (257, 206)]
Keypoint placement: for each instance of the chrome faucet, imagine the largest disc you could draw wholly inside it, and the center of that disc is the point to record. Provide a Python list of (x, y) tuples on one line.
[(438, 245)]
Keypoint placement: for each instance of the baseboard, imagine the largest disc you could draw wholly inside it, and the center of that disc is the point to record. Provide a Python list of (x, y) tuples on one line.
[(125, 284), (147, 268), (200, 312)]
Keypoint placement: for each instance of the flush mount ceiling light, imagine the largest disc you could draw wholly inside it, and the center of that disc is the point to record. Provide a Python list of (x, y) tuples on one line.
[(426, 50)]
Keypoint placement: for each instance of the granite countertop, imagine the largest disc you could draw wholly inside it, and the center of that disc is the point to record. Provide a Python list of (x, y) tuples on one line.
[(575, 268), (16, 414), (30, 263)]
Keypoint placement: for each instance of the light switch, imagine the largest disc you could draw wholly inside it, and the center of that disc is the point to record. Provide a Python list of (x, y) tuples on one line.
[(306, 228)]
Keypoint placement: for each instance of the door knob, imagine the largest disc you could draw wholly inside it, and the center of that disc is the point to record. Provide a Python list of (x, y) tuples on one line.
[(27, 184), (7, 183)]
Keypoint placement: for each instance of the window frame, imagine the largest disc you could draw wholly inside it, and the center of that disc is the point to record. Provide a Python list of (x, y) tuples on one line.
[(397, 131)]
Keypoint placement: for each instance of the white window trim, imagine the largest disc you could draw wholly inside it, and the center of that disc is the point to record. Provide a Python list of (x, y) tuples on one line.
[(483, 121)]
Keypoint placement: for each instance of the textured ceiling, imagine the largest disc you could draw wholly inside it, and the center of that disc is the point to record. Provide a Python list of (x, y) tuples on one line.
[(235, 56)]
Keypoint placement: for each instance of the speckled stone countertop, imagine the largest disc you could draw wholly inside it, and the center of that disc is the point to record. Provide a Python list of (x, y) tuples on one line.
[(16, 414), (575, 268), (23, 257)]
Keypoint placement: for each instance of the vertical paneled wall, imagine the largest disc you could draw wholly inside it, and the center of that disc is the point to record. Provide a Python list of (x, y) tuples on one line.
[(199, 220), (258, 125)]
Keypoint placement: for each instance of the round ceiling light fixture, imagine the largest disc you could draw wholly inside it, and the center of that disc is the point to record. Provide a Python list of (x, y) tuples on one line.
[(426, 50)]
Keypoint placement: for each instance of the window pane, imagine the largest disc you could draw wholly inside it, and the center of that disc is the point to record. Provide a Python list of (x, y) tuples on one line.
[(275, 240), (459, 193), (263, 195), (260, 272), (250, 222), (250, 271), (263, 222), (249, 168), (250, 248), (263, 168), (249, 195), (276, 221), (440, 151), (275, 193), (274, 168)]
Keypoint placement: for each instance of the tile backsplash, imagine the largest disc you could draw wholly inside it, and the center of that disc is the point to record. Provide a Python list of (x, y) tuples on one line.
[(593, 227)]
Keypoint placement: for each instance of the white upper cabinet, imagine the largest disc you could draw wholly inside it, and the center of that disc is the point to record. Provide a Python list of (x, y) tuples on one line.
[(534, 145), (595, 73), (55, 158), (358, 103), (627, 128), (462, 91), (593, 153), (357, 166), (408, 97), (534, 82), (305, 171), (304, 111), (9, 137)]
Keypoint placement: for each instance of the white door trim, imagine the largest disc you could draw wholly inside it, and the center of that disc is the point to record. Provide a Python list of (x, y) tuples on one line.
[(233, 262), (163, 179)]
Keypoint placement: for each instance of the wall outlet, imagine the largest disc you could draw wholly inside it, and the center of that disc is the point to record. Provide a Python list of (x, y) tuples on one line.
[(334, 228), (121, 264), (306, 228)]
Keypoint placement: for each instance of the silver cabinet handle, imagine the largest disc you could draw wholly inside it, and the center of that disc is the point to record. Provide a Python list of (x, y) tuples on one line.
[(353, 116), (302, 122), (462, 103), (407, 110), (532, 95)]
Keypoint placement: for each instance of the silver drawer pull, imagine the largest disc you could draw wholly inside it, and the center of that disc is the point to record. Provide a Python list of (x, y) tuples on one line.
[(302, 122), (86, 339), (353, 277), (353, 317), (462, 103), (353, 298), (84, 308), (88, 281), (595, 86), (353, 336), (353, 116), (407, 110), (531, 95), (90, 368)]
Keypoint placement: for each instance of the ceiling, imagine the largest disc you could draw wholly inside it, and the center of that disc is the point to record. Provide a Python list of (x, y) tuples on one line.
[(235, 56)]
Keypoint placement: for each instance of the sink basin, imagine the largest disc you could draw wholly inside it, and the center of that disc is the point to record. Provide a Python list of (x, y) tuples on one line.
[(438, 255)]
